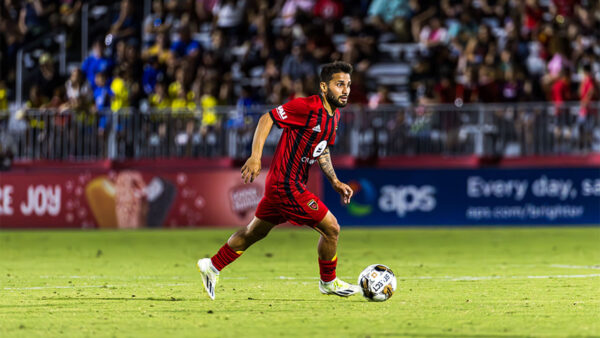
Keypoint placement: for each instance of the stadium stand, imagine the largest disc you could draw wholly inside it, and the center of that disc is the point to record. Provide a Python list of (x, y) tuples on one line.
[(83, 79)]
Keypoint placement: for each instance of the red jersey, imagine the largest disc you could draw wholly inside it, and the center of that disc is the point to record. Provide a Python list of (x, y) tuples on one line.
[(307, 130)]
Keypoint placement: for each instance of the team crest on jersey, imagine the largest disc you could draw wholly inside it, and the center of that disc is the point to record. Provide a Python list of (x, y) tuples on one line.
[(313, 205)]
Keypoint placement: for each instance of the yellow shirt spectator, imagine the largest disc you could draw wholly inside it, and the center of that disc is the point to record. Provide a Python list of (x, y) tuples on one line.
[(209, 115), (121, 92)]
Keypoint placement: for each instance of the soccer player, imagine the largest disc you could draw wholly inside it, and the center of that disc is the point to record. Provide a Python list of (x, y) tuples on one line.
[(309, 126)]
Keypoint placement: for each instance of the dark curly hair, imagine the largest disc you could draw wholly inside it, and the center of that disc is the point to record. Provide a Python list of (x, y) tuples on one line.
[(332, 68)]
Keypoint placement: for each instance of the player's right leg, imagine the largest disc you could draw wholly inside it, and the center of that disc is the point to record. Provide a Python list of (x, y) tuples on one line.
[(233, 248), (327, 249)]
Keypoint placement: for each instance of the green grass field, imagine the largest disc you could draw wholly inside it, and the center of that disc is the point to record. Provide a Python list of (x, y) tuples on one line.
[(452, 283)]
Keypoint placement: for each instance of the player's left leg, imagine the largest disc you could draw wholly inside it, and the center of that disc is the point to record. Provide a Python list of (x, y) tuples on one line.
[(242, 239), (327, 249)]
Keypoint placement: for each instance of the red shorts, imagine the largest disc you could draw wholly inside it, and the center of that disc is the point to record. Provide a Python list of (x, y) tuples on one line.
[(302, 208)]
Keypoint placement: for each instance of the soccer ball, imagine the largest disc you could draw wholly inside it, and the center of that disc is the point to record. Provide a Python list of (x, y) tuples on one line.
[(377, 282)]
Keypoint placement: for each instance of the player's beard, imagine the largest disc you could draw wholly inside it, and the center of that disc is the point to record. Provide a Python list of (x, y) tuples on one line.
[(333, 101)]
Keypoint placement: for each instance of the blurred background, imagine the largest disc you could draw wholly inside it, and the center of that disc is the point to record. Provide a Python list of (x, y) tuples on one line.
[(461, 111)]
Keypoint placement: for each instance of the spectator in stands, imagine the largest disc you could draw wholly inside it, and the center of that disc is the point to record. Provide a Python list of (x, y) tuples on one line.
[(297, 66), (102, 92), (208, 102), (228, 16), (152, 74), (36, 15), (382, 97), (97, 62), (360, 45), (37, 99), (78, 91), (13, 29), (160, 99), (3, 96), (46, 76), (389, 10), (291, 8), (204, 9), (120, 87), (159, 50), (158, 21), (126, 24), (69, 12), (561, 93), (183, 99), (184, 46), (588, 114)]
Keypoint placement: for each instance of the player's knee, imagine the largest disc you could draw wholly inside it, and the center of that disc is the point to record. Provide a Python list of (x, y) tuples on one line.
[(333, 228)]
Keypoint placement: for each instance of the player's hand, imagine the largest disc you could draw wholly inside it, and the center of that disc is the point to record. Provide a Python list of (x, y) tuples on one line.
[(344, 190), (250, 169)]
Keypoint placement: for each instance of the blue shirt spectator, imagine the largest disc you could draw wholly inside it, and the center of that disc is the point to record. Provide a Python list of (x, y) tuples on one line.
[(96, 63), (388, 10), (185, 46)]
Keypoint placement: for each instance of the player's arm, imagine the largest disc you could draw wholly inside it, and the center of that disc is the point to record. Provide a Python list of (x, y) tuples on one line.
[(327, 167), (251, 168)]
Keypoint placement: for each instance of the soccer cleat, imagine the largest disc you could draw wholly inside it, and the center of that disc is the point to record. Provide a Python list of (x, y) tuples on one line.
[(210, 276), (338, 287)]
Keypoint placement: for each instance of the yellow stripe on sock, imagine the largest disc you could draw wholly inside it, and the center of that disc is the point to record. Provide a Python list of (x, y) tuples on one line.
[(334, 257), (239, 252)]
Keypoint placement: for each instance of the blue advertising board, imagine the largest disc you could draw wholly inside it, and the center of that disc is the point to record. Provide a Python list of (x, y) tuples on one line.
[(468, 197)]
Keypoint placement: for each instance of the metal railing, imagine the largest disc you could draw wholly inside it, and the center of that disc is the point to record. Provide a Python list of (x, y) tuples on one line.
[(484, 130)]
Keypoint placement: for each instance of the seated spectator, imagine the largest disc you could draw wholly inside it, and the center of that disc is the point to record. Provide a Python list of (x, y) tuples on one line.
[(3, 96), (160, 99), (184, 46), (208, 102), (125, 24), (160, 49), (69, 12), (228, 16), (119, 87), (152, 73), (47, 77), (329, 9), (78, 91), (291, 8), (388, 10), (381, 97), (97, 62), (37, 99), (159, 21), (183, 100), (297, 66)]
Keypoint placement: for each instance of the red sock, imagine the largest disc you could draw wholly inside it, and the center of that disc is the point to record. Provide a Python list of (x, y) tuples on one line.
[(327, 269), (224, 257)]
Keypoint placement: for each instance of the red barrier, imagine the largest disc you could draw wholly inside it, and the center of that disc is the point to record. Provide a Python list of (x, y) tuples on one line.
[(168, 193)]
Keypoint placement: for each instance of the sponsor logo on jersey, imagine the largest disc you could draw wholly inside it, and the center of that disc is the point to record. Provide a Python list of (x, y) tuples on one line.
[(320, 148), (317, 128), (313, 205), (281, 113), (305, 159)]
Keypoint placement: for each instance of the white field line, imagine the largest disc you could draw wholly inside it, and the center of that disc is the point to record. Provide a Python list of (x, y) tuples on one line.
[(87, 286), (575, 266), (440, 278)]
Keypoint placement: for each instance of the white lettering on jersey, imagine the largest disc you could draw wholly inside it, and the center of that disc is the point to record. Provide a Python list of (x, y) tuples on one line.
[(281, 113)]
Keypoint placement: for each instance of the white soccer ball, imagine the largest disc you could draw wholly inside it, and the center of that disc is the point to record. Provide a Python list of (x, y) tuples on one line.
[(378, 282)]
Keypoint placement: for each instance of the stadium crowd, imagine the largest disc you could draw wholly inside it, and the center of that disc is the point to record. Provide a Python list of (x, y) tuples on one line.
[(201, 54)]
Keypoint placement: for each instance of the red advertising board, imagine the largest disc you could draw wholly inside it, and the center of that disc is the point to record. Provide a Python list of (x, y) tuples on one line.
[(126, 198)]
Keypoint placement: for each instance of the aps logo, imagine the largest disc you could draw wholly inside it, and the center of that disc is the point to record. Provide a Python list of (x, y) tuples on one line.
[(399, 199)]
